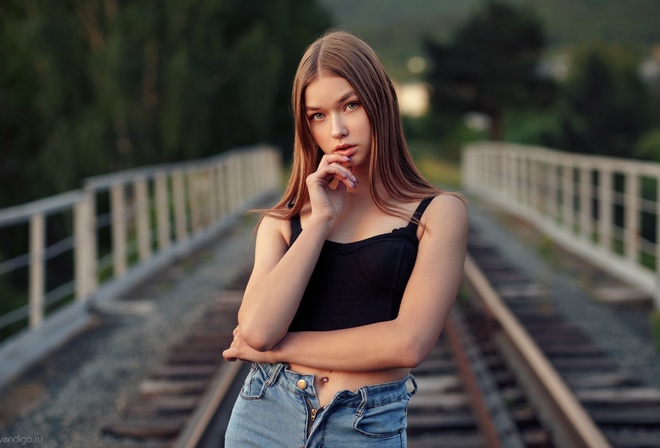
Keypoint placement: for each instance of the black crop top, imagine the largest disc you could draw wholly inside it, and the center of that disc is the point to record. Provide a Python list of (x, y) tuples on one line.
[(358, 283)]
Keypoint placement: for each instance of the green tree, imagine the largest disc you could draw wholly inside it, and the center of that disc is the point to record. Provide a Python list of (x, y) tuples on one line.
[(490, 65), (606, 104), (94, 86)]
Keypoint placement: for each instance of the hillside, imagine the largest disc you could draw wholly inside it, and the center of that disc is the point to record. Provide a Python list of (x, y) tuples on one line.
[(395, 29)]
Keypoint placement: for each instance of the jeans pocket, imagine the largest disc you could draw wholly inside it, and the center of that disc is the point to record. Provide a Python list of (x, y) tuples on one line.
[(254, 384), (384, 420)]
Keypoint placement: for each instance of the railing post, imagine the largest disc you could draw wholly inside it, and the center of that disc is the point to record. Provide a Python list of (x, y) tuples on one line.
[(605, 209), (242, 178), (193, 199), (117, 208), (567, 194), (254, 173), (37, 278), (277, 162), (233, 180), (586, 201), (263, 176), (537, 179), (221, 185), (92, 247), (209, 197), (179, 206), (212, 197), (142, 218), (552, 174), (523, 169), (632, 206), (162, 211), (514, 176), (85, 247)]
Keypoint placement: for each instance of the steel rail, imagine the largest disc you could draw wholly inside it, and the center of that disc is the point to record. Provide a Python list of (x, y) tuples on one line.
[(570, 423), (195, 427)]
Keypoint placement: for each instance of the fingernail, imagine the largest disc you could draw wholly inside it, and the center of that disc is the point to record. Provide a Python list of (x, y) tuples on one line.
[(347, 158), (355, 180)]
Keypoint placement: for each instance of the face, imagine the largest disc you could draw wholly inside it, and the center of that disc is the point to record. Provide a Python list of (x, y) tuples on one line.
[(337, 120)]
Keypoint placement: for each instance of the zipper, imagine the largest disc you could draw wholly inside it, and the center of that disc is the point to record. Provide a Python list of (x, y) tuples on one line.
[(312, 415)]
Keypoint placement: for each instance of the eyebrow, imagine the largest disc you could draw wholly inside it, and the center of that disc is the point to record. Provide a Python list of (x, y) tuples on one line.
[(343, 98)]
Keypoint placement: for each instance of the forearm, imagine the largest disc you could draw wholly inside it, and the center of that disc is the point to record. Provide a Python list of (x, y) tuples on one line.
[(272, 298), (379, 346)]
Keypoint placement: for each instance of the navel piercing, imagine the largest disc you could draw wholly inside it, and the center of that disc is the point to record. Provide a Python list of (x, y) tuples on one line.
[(325, 379)]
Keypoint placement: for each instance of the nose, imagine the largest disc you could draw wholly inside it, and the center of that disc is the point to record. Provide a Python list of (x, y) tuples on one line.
[(339, 129)]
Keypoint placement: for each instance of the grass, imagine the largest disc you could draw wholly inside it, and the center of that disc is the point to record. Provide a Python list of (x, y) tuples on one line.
[(439, 171)]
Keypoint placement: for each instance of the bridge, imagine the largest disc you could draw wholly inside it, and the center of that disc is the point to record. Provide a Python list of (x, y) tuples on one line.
[(153, 247)]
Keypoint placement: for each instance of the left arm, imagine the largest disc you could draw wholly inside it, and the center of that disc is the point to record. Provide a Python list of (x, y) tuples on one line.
[(405, 341)]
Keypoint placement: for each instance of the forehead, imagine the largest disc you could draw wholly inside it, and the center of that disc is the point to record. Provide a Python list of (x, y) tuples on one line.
[(326, 90)]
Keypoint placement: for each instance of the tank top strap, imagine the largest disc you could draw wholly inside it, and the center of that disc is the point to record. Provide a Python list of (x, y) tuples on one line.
[(296, 228), (417, 216)]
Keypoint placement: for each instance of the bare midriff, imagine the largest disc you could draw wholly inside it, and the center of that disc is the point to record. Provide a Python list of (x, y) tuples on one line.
[(328, 382)]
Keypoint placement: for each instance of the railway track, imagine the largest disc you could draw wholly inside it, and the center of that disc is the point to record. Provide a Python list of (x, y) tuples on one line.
[(582, 395), (508, 371)]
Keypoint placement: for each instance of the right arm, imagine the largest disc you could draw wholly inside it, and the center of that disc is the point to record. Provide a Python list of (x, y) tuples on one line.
[(278, 281), (280, 274)]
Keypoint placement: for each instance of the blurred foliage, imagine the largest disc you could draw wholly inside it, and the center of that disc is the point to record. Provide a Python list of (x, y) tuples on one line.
[(605, 104), (571, 22), (648, 146), (395, 29), (94, 86), (604, 49), (441, 171), (489, 66)]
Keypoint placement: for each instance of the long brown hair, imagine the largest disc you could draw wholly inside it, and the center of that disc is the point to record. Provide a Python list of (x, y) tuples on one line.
[(342, 54)]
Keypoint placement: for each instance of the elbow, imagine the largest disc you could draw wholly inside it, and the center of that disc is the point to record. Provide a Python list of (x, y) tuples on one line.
[(413, 352), (257, 338), (258, 343)]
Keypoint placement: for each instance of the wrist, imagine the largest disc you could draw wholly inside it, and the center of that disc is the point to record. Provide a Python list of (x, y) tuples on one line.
[(319, 221), (276, 354)]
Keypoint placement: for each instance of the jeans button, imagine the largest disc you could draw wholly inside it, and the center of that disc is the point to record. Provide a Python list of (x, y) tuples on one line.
[(302, 384)]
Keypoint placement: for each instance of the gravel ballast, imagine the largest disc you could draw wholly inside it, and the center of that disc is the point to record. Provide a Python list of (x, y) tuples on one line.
[(67, 398)]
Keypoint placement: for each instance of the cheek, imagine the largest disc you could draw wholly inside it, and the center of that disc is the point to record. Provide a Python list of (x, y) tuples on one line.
[(318, 136)]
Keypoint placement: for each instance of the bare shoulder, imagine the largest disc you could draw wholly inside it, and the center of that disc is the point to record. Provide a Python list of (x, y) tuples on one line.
[(275, 229), (447, 213), (447, 206)]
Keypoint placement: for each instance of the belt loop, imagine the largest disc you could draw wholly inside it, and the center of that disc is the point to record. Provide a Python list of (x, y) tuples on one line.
[(273, 372), (414, 383), (360, 409)]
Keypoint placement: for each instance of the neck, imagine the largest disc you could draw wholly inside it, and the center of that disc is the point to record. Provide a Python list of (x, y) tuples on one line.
[(361, 197)]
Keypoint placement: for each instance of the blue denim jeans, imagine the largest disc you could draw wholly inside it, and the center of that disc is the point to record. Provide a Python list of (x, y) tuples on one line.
[(279, 408)]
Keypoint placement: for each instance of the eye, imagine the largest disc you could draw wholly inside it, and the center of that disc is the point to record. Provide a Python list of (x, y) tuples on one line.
[(352, 105), (317, 116)]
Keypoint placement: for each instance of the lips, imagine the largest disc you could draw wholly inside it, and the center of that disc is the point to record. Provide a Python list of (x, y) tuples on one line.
[(345, 149)]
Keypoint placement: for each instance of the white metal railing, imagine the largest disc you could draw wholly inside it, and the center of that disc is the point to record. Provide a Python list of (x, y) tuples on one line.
[(605, 209), (114, 232)]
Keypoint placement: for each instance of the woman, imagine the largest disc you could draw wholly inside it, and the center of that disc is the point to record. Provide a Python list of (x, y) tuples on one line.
[(339, 306)]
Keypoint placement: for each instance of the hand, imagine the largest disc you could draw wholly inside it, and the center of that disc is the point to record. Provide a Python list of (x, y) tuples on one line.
[(328, 185), (239, 350)]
